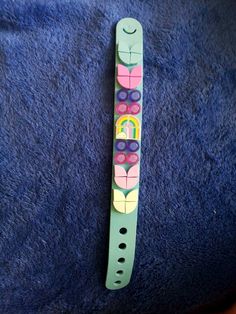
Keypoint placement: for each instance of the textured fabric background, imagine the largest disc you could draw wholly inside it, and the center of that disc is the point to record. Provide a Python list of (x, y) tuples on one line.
[(56, 95)]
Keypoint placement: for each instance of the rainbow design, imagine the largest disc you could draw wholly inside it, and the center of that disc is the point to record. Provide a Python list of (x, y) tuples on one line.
[(128, 127)]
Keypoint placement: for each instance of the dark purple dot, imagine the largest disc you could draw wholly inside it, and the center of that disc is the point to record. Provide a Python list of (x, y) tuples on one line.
[(135, 95), (133, 146), (122, 94), (120, 145)]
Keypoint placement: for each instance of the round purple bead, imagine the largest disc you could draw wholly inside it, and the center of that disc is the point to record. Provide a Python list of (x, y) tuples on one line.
[(122, 95), (135, 95), (133, 146), (120, 145)]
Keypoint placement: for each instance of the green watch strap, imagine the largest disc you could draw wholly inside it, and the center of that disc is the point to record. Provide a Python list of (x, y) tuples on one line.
[(126, 152)]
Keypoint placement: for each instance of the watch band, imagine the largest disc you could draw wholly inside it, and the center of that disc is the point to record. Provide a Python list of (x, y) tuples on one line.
[(126, 152)]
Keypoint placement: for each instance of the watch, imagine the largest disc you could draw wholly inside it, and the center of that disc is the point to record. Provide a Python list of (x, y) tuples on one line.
[(128, 101)]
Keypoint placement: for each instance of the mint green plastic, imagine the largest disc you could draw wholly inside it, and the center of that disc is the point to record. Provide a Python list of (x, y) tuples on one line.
[(129, 33)]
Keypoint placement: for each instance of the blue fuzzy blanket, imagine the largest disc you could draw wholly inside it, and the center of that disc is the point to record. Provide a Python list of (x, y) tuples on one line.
[(56, 96)]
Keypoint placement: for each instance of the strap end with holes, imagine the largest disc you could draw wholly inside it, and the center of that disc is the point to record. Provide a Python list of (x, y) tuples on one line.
[(126, 152)]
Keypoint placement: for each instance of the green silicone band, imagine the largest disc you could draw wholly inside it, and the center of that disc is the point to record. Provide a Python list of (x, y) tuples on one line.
[(127, 127)]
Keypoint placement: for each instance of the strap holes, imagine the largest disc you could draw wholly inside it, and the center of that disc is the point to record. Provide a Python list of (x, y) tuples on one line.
[(120, 272), (123, 230), (121, 260), (117, 282), (122, 246)]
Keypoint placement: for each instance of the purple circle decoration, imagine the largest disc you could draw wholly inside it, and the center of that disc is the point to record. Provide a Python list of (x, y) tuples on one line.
[(133, 146), (122, 95), (120, 145), (135, 95)]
